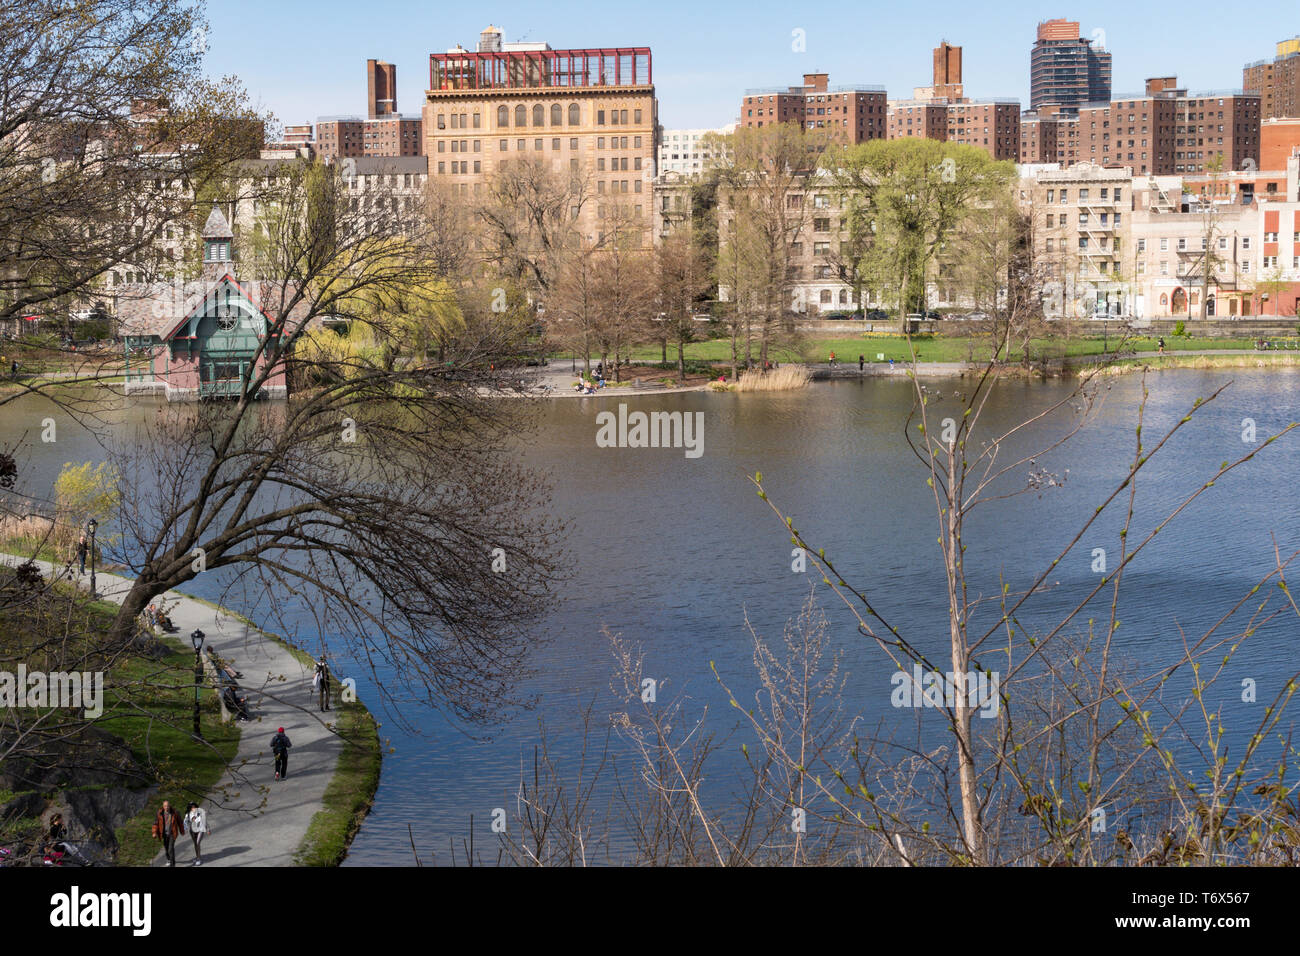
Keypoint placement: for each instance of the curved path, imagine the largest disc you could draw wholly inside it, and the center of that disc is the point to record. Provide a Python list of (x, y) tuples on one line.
[(255, 819)]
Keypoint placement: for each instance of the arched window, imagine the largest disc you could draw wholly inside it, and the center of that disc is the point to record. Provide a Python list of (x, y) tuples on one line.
[(1164, 300), (521, 116), (503, 116), (539, 115), (557, 114), (575, 115)]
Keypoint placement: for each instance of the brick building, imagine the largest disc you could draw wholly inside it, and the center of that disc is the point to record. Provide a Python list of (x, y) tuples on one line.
[(381, 89), (850, 114), (1066, 69), (381, 132), (589, 112), (1277, 81)]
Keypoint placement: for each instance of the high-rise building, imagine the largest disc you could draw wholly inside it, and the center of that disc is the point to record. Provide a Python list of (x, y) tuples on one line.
[(590, 113), (1065, 69), (381, 132), (849, 114), (1277, 81), (381, 89), (942, 111)]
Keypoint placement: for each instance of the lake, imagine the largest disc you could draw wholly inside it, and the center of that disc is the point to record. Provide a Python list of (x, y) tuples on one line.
[(676, 553)]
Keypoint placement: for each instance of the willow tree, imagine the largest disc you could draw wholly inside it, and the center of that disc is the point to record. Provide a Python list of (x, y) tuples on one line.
[(903, 199)]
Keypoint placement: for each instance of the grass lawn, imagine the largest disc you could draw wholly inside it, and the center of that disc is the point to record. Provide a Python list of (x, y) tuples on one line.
[(939, 348), (349, 794), (148, 704)]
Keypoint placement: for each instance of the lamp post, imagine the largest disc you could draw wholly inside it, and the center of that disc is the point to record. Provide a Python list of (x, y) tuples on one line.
[(91, 525), (196, 639)]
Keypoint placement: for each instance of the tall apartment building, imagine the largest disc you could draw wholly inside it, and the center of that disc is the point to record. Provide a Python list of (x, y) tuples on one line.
[(1168, 130), (1277, 81), (585, 112), (381, 132), (941, 112), (381, 89), (1065, 69), (849, 114), (343, 136)]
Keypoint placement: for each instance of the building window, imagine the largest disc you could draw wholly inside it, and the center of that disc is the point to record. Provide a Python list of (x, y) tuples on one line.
[(573, 142), (600, 117), (521, 115), (575, 114), (503, 116), (539, 115), (477, 120), (557, 114)]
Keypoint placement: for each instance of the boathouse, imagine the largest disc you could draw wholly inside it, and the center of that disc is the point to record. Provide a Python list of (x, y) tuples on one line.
[(210, 338)]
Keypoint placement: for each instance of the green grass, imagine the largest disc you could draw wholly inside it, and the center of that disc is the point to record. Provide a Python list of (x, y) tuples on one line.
[(942, 348), (185, 769), (350, 792), (148, 705)]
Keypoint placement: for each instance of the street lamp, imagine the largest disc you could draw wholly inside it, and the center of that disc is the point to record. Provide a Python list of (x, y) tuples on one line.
[(196, 639), (91, 525)]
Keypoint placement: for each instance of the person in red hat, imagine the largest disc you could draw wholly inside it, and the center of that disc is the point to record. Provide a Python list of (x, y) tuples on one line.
[(280, 747)]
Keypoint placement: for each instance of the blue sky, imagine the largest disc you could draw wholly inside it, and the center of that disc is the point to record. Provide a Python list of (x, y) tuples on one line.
[(302, 59)]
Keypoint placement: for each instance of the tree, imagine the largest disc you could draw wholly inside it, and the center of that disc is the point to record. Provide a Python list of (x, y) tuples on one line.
[(903, 200), (107, 133), (381, 487), (681, 273), (764, 178)]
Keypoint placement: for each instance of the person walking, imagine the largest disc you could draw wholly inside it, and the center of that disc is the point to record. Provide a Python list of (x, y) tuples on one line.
[(82, 550), (196, 822), (280, 747), (321, 681), (862, 362), (831, 363), (167, 826), (1162, 345)]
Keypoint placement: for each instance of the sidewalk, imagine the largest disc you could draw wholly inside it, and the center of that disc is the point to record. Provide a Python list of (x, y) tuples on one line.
[(264, 821)]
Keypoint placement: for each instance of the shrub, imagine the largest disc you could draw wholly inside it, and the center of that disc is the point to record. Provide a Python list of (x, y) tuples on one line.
[(1180, 327)]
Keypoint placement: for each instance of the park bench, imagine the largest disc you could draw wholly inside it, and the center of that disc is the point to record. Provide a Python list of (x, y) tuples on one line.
[(641, 384)]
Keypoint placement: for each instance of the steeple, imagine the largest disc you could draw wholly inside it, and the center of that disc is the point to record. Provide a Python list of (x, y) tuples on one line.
[(218, 247)]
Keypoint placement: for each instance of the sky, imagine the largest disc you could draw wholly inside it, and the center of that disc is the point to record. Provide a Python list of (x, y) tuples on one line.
[(300, 60)]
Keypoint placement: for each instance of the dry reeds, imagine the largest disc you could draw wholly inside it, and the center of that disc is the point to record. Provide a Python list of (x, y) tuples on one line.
[(775, 380)]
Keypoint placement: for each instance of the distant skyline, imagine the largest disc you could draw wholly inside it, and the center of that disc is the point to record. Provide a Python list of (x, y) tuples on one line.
[(303, 60)]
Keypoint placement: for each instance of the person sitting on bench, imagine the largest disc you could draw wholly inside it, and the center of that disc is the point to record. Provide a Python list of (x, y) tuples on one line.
[(236, 704)]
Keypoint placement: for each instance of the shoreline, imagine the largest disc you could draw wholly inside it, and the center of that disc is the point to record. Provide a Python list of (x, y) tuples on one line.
[(256, 820)]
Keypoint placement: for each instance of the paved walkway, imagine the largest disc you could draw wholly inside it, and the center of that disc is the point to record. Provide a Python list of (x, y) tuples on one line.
[(255, 819)]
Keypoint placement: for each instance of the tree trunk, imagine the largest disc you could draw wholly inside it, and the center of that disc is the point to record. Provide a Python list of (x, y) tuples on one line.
[(681, 362)]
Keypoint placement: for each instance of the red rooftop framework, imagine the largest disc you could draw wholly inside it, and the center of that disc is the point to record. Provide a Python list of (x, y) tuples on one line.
[(524, 69)]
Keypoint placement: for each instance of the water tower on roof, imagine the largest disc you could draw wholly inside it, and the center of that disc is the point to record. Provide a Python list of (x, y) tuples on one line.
[(489, 41)]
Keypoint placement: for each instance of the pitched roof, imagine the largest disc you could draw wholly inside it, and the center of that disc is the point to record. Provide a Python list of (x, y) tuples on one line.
[(160, 308), (216, 227)]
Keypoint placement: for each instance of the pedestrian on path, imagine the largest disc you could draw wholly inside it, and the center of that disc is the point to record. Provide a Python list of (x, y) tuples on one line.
[(321, 681), (862, 362), (82, 550), (167, 826), (280, 747), (196, 822)]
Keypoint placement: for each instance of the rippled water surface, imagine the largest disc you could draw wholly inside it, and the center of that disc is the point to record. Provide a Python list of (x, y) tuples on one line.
[(676, 553)]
